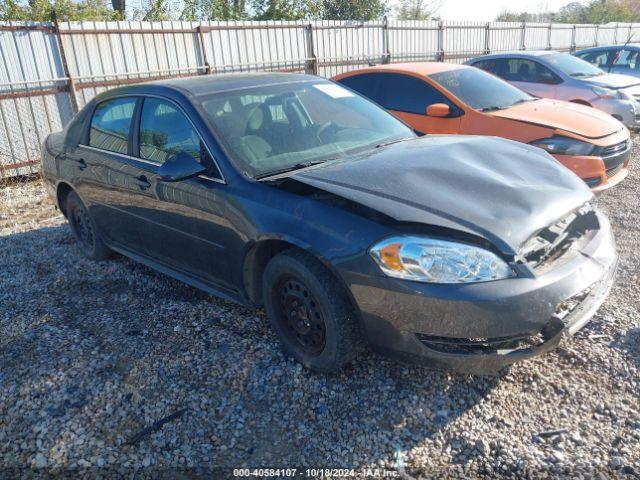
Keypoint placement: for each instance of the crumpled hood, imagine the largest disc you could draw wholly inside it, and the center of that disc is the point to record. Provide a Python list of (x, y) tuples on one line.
[(613, 80), (570, 117), (501, 190)]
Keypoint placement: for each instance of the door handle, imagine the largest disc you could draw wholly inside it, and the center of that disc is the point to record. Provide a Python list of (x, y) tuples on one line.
[(142, 182), (81, 163)]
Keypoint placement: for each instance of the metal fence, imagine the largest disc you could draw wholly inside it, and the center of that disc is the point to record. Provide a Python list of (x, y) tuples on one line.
[(51, 69)]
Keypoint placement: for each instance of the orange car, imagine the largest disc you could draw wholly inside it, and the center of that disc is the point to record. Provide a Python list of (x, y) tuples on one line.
[(447, 98)]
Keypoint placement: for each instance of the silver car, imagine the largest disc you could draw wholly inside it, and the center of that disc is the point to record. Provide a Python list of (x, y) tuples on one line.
[(624, 59), (562, 76)]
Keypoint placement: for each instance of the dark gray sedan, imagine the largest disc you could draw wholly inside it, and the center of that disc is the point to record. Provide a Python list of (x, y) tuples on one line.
[(292, 192)]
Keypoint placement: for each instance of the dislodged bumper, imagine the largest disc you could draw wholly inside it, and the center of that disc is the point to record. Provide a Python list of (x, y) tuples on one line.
[(481, 327)]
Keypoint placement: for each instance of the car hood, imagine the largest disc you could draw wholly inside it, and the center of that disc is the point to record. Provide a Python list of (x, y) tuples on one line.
[(613, 80), (497, 189), (578, 119)]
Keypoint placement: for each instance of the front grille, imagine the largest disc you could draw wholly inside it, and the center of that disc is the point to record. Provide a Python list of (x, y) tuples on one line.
[(614, 149), (554, 242), (612, 172), (470, 346)]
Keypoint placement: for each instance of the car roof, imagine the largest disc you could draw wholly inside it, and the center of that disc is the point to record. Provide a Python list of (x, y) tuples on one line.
[(517, 53), (420, 68), (634, 46), (208, 84)]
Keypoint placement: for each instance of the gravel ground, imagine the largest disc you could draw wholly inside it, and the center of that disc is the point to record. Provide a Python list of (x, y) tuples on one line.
[(110, 367)]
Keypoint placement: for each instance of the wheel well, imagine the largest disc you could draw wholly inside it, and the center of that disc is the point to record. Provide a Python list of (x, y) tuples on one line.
[(256, 261), (61, 194), (581, 102)]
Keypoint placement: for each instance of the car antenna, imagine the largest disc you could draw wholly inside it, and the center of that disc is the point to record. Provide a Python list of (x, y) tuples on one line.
[(615, 59)]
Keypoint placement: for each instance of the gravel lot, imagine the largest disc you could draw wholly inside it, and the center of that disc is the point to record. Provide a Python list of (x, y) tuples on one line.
[(92, 355)]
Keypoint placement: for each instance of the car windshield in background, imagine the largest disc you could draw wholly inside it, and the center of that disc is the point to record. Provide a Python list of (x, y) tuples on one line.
[(273, 129), (573, 66), (480, 90)]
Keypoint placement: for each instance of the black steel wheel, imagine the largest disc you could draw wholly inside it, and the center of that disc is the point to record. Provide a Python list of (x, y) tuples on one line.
[(310, 312), (299, 314), (84, 230)]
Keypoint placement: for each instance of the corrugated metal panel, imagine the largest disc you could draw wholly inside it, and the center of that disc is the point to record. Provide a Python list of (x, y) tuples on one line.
[(100, 55)]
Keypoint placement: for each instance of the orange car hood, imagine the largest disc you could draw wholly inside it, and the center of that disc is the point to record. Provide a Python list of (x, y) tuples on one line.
[(570, 117)]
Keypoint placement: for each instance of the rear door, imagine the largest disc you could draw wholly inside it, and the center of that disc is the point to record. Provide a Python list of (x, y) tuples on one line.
[(103, 171)]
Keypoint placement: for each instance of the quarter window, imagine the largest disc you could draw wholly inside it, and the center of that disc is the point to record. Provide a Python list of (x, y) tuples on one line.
[(111, 123), (165, 131)]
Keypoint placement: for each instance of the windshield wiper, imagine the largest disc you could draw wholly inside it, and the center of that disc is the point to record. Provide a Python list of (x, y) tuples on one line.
[(391, 142), (291, 168), (586, 75), (492, 108)]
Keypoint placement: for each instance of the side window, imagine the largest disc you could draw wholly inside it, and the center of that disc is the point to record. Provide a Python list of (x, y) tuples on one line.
[(524, 70), (625, 59), (111, 123), (404, 93), (366, 85), (164, 131), (600, 58)]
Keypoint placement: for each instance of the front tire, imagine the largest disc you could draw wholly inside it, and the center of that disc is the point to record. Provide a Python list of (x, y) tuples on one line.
[(84, 229), (310, 312)]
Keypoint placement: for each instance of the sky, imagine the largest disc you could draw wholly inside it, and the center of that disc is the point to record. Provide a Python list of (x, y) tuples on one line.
[(485, 10)]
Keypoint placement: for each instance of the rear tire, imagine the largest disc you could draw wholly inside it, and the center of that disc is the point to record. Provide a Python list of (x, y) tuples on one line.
[(84, 229), (310, 312)]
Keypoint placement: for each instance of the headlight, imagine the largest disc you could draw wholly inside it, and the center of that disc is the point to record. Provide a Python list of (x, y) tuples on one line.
[(564, 146), (604, 92), (438, 261)]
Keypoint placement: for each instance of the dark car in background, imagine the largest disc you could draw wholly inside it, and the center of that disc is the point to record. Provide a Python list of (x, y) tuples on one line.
[(621, 59), (292, 192)]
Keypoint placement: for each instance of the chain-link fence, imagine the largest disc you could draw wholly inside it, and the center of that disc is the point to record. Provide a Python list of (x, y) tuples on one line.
[(49, 70)]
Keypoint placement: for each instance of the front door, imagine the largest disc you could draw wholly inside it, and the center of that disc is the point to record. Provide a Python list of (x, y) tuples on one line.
[(532, 77), (183, 224)]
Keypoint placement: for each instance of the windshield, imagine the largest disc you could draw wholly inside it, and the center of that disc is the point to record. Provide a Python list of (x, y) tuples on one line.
[(572, 66), (273, 129), (480, 90)]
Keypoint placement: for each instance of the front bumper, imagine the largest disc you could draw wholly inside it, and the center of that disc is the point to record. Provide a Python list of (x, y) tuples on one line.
[(478, 328), (627, 111), (599, 173)]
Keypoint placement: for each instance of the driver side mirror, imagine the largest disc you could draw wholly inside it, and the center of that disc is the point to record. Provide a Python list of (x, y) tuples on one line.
[(438, 110), (180, 166)]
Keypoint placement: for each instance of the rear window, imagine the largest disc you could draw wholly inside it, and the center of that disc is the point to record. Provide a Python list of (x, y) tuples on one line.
[(111, 124)]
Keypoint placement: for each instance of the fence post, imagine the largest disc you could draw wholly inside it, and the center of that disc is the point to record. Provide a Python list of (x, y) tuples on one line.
[(549, 36), (597, 34), (385, 40), (65, 65), (615, 34), (312, 63), (630, 34), (203, 50), (440, 41), (572, 47), (487, 38), (523, 40)]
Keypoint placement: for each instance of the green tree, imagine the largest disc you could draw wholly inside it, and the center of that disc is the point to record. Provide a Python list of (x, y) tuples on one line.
[(66, 10), (157, 10), (223, 9), (284, 9), (353, 9), (417, 9)]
